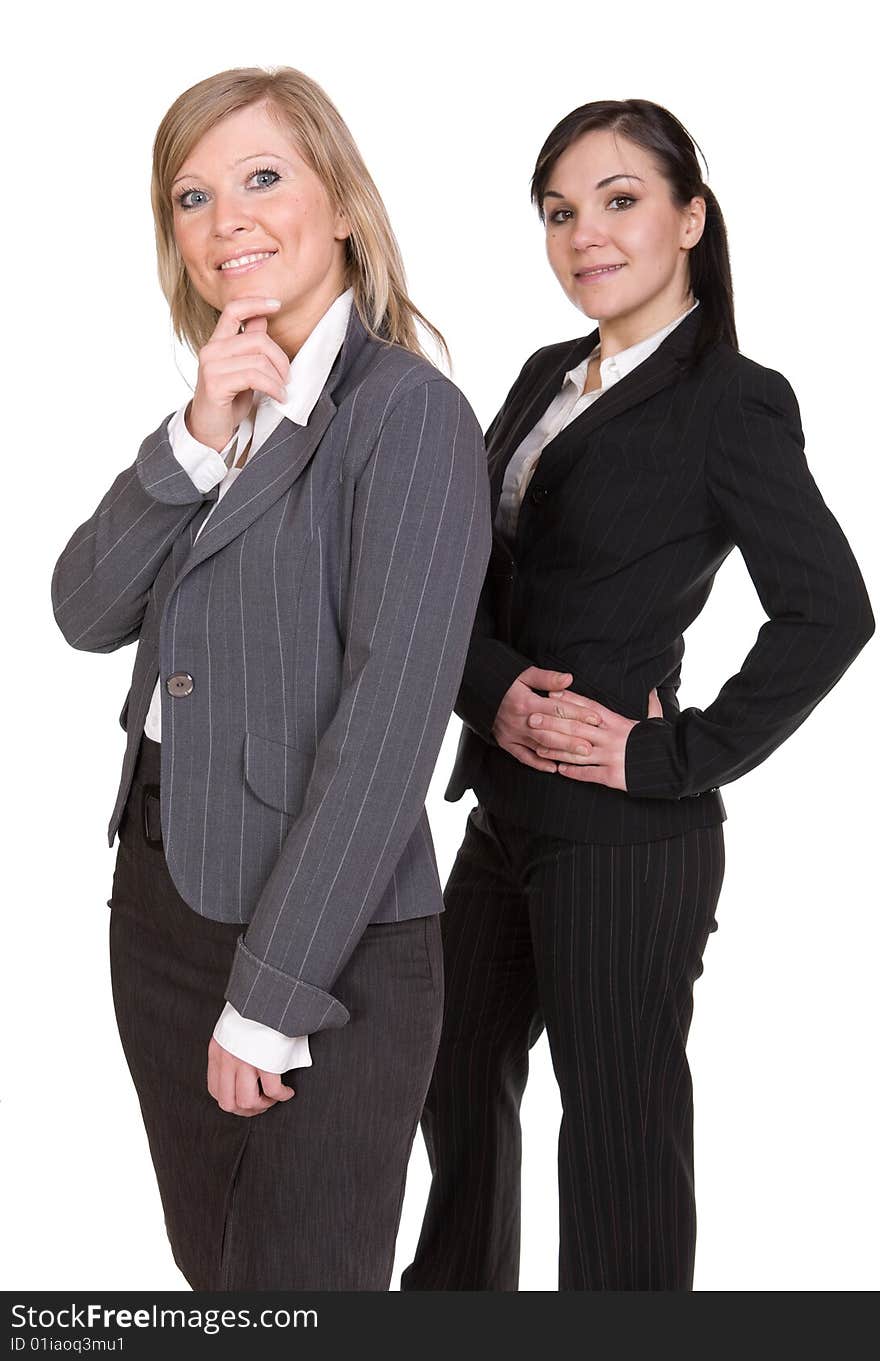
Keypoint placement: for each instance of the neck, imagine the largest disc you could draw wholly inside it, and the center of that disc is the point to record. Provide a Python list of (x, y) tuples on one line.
[(619, 333), (290, 327)]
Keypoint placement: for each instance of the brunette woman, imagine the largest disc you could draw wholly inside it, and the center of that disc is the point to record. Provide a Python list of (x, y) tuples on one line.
[(625, 465)]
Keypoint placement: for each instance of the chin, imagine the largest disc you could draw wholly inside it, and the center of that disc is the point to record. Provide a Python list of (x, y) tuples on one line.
[(598, 312), (608, 309)]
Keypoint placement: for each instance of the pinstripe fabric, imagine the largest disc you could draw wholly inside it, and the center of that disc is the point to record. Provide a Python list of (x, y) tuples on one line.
[(631, 511), (308, 1195), (324, 615), (602, 945)]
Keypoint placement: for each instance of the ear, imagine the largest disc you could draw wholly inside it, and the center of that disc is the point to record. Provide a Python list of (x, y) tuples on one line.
[(342, 229), (693, 222)]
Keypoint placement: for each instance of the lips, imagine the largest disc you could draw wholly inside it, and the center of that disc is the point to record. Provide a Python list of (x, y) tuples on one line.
[(597, 271), (247, 255)]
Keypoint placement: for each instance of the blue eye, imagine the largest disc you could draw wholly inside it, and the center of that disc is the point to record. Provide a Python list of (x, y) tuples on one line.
[(262, 170), (266, 170), (185, 193)]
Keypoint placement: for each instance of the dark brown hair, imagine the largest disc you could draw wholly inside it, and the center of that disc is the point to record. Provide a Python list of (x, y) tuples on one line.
[(659, 132)]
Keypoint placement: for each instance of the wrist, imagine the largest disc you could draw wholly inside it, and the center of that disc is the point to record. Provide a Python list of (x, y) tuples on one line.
[(212, 439)]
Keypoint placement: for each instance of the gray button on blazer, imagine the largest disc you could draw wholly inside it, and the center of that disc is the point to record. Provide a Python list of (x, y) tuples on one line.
[(311, 645)]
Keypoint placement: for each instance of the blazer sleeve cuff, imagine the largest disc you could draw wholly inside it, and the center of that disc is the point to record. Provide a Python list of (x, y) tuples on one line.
[(650, 764), (492, 667), (291, 1005), (161, 474)]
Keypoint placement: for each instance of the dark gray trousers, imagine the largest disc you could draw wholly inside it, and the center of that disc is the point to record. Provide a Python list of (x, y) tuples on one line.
[(602, 945), (307, 1195)]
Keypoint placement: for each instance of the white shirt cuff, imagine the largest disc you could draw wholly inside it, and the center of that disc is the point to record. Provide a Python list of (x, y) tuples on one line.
[(259, 1044), (204, 465)]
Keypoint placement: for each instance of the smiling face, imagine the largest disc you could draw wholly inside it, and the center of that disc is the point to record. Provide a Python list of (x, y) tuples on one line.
[(616, 241), (245, 190)]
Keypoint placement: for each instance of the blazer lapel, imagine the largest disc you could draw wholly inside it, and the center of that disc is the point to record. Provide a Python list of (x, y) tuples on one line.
[(182, 545), (278, 462), (658, 371), (525, 412), (269, 472)]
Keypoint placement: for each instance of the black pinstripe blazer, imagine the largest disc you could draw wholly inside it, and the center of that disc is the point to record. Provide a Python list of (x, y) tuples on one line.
[(630, 512)]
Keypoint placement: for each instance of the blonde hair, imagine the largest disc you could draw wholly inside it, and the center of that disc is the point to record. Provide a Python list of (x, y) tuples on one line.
[(374, 268)]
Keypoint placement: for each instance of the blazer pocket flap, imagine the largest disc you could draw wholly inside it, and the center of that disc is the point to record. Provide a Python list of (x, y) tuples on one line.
[(278, 774)]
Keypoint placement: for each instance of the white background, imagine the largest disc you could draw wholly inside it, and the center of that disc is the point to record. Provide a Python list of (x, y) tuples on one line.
[(449, 104)]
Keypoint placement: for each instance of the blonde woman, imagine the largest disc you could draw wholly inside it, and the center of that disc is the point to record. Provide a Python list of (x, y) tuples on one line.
[(298, 551)]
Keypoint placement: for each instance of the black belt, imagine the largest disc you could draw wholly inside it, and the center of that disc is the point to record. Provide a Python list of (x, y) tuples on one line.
[(151, 816)]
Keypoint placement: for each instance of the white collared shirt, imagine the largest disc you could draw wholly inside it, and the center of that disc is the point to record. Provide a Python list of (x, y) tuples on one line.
[(309, 369), (566, 406)]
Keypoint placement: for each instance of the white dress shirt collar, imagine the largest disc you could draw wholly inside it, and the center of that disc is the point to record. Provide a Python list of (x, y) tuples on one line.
[(617, 366), (311, 365), (309, 370)]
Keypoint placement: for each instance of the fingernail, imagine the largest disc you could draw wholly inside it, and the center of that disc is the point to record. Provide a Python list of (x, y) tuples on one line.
[(536, 720)]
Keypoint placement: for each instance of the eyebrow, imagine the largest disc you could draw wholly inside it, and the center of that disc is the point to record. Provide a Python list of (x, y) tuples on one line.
[(256, 156), (600, 184)]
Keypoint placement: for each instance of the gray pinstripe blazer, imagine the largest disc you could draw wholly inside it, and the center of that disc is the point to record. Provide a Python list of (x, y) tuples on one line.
[(324, 616)]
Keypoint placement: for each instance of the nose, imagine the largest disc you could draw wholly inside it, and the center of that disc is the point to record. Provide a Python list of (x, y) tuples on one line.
[(586, 234), (230, 215)]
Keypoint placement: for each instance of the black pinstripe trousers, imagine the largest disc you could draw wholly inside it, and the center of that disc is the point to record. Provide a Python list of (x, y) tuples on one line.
[(602, 945)]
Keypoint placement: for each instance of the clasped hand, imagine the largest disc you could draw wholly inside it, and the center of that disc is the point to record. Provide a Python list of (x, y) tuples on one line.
[(239, 1087), (566, 733)]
